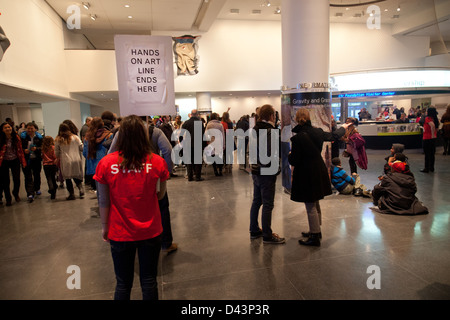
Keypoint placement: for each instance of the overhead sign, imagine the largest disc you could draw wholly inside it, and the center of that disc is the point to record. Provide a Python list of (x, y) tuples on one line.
[(145, 75)]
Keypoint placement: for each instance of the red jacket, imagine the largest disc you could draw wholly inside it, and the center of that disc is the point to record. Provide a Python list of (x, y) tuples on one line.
[(19, 151)]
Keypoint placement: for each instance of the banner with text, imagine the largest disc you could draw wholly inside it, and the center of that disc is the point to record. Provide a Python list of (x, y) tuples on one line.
[(145, 75), (319, 105)]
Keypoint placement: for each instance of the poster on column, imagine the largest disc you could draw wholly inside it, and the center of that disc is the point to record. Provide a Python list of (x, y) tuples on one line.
[(319, 105), (145, 75)]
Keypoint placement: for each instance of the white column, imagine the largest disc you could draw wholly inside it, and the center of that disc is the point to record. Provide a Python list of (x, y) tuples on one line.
[(54, 113), (305, 41), (203, 101), (305, 26)]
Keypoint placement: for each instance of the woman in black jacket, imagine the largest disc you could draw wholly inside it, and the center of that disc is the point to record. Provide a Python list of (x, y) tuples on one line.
[(310, 176)]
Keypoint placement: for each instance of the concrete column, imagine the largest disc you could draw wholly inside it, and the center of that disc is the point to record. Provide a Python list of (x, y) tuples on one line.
[(305, 26), (54, 113)]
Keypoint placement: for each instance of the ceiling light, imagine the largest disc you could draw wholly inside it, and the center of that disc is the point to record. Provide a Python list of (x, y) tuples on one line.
[(255, 11), (398, 9), (130, 17), (127, 6), (278, 10), (93, 17), (234, 10), (86, 5)]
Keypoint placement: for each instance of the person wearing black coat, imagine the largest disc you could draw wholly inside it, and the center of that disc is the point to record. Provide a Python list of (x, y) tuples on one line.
[(196, 139), (310, 176), (396, 192)]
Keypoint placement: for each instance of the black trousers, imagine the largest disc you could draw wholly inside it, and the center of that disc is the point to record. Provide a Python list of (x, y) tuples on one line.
[(14, 166), (50, 175), (429, 148), (32, 173)]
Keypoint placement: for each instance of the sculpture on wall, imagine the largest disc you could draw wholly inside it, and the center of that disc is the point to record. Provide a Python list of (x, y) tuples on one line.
[(4, 43), (185, 51)]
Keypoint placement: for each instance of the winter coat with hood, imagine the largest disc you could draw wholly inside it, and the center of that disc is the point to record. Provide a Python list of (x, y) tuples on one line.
[(396, 194)]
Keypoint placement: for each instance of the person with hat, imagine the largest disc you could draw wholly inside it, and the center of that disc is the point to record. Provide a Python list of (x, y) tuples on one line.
[(396, 192)]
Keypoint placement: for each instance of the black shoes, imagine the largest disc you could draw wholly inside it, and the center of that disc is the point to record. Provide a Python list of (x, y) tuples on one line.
[(424, 170), (308, 234), (275, 239), (358, 192), (313, 240), (71, 197)]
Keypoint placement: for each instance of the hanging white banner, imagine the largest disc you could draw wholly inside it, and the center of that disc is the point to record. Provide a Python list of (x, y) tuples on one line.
[(145, 75)]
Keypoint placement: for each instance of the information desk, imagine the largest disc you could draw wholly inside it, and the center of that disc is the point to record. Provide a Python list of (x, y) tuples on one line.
[(381, 134)]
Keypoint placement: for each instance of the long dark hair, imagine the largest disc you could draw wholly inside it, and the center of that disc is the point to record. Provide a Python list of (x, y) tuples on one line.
[(14, 137), (73, 128), (91, 136), (432, 113), (133, 142), (64, 134)]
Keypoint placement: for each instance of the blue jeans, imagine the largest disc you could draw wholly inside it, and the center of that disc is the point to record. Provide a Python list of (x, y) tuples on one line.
[(123, 254), (263, 195)]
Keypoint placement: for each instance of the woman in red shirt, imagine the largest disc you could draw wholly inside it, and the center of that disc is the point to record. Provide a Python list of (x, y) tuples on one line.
[(430, 126), (130, 182)]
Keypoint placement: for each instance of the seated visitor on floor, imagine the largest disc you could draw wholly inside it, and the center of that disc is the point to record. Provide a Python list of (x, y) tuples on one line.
[(396, 148), (396, 192), (344, 183)]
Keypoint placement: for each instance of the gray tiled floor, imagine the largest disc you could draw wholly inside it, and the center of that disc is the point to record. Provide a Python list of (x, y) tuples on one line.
[(217, 260)]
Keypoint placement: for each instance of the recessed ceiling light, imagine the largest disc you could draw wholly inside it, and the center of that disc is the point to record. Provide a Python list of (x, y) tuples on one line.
[(130, 17), (127, 6)]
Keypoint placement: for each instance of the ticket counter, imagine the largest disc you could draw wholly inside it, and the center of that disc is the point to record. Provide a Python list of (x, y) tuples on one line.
[(381, 135)]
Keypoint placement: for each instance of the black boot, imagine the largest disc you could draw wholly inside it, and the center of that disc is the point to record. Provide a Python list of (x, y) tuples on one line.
[(307, 234), (313, 240)]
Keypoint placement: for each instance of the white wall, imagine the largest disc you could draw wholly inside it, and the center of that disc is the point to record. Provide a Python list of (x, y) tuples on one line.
[(35, 60), (353, 47), (240, 55)]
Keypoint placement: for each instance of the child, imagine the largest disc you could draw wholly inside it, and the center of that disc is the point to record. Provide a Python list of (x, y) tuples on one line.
[(396, 192), (396, 148), (344, 183), (49, 163)]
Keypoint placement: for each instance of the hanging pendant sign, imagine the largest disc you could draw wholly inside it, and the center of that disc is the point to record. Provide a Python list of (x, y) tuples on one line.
[(145, 75)]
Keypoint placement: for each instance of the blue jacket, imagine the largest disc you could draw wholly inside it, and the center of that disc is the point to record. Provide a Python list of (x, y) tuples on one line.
[(91, 164), (340, 179)]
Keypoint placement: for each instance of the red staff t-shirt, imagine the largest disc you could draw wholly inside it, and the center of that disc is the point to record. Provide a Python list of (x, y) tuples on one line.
[(134, 211)]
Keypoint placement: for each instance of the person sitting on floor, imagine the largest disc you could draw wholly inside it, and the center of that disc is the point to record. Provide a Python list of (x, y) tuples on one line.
[(396, 192), (396, 148), (344, 183)]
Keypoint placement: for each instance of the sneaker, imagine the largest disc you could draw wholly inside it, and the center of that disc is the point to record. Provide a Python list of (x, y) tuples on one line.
[(71, 197), (275, 239), (256, 235), (30, 198), (38, 193)]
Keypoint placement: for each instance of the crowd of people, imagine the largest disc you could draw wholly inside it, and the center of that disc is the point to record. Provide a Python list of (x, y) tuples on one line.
[(128, 161)]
